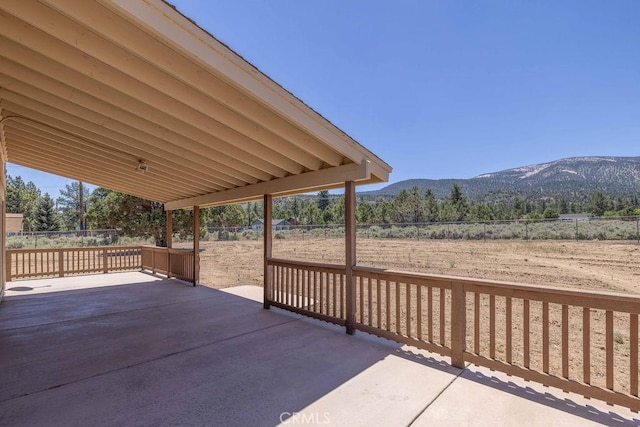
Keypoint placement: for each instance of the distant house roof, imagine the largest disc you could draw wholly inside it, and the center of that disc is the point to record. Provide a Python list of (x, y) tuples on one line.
[(273, 221), (14, 222)]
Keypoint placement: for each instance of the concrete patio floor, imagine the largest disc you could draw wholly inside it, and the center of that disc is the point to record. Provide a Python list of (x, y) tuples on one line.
[(135, 349)]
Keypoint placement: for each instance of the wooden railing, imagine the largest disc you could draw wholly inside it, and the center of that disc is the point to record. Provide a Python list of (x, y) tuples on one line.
[(316, 290), (176, 263), (580, 341), (41, 263), (38, 263)]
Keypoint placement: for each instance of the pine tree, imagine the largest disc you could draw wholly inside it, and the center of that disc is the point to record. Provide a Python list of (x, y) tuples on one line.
[(47, 218)]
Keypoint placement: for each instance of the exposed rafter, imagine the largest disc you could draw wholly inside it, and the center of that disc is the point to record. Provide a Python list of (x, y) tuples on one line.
[(96, 87)]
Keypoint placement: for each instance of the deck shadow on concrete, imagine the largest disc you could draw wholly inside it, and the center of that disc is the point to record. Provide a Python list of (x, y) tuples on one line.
[(549, 398)]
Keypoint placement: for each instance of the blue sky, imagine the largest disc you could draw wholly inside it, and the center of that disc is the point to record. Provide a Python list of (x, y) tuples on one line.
[(448, 89)]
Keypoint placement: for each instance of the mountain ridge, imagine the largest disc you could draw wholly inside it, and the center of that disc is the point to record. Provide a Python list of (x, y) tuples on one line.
[(567, 177)]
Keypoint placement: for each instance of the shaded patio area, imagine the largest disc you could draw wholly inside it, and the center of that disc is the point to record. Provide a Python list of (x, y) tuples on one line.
[(136, 349)]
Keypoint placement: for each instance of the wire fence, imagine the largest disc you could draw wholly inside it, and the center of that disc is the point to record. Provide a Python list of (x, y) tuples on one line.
[(59, 239), (603, 228)]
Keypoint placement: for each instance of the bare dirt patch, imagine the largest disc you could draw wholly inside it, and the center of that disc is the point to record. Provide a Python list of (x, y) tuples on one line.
[(612, 266)]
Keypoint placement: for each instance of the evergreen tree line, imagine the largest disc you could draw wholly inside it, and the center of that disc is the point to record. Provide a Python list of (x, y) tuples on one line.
[(136, 217)]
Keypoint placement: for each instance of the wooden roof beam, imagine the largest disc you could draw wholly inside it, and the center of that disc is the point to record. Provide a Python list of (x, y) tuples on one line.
[(325, 178)]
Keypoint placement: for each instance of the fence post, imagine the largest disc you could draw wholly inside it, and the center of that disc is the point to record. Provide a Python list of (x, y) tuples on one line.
[(105, 261), (458, 324), (61, 262)]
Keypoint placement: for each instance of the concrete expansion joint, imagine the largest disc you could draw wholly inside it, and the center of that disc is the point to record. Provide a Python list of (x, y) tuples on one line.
[(439, 394)]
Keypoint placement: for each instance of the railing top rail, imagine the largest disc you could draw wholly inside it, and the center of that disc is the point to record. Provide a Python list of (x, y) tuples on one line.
[(291, 263), (534, 292), (73, 248), (170, 250)]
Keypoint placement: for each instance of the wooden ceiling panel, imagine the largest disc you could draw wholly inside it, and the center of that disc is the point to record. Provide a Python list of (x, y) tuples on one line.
[(89, 89)]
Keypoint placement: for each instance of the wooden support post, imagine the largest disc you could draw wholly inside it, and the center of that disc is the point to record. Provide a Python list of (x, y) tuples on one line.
[(458, 324), (196, 244), (350, 252), (268, 245), (169, 241)]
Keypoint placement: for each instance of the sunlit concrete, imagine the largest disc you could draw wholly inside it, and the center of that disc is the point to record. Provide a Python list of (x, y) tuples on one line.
[(134, 349)]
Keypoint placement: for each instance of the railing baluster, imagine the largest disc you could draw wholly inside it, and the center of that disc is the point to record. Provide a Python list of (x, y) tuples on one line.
[(492, 326), (317, 291), (296, 286), (430, 312), (509, 329), (361, 298), (398, 321), (545, 337), (609, 348), (287, 292), (323, 292), (565, 341), (419, 311), (408, 307), (388, 304), (335, 294), (586, 345), (343, 301), (633, 353), (525, 337), (442, 316), (369, 301), (378, 303), (305, 294), (476, 323)]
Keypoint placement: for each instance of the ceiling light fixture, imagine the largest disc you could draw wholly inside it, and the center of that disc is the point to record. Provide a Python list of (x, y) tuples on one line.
[(142, 167)]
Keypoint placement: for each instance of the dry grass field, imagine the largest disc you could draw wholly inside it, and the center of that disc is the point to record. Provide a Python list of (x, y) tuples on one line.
[(603, 265)]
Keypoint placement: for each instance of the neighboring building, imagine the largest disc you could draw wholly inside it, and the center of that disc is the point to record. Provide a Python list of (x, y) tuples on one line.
[(276, 224), (575, 217), (14, 223)]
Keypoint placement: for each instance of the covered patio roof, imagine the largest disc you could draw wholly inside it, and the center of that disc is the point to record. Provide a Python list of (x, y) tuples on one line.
[(99, 91)]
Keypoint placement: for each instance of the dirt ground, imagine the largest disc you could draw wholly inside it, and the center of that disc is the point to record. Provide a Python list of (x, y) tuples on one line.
[(603, 265)]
